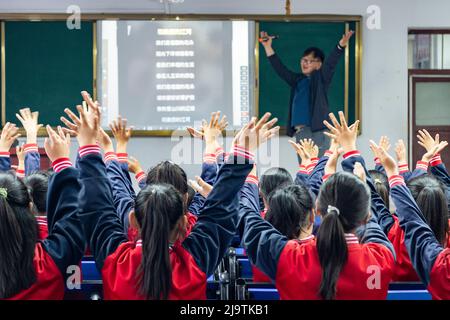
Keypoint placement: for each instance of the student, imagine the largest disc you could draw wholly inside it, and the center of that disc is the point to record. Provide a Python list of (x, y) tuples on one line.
[(272, 179), (160, 266), (290, 211), (431, 199), (429, 258), (308, 105), (32, 269), (338, 264)]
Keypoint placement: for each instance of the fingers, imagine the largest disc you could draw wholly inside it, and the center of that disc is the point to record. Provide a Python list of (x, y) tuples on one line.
[(69, 124), (329, 126), (342, 119), (269, 124), (20, 118), (70, 132), (73, 116), (263, 120), (87, 98), (330, 135), (334, 121)]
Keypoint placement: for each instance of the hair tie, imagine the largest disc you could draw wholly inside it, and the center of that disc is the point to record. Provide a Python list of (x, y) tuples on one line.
[(3, 193), (377, 181), (332, 209)]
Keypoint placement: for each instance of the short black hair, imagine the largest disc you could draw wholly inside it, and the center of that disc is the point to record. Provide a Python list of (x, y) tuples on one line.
[(316, 52)]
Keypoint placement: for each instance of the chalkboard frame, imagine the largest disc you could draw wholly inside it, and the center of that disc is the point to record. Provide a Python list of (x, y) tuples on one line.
[(356, 19)]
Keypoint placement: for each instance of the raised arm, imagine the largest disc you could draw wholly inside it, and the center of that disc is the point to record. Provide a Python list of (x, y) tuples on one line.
[(103, 228), (284, 73), (331, 62), (216, 224), (29, 122), (346, 136), (65, 242), (422, 245)]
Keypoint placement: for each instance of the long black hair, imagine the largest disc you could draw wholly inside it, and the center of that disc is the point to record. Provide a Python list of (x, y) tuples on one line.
[(18, 231), (158, 209), (170, 173), (290, 209), (37, 184), (344, 203), (430, 196), (381, 183), (273, 179)]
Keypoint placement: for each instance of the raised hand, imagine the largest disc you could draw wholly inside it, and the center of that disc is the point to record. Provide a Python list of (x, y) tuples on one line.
[(89, 116), (200, 186), (134, 166), (105, 141), (341, 132), (29, 122), (345, 38), (253, 134), (8, 136), (57, 145), (400, 151), (386, 160), (305, 156), (310, 147), (433, 146), (121, 133), (20, 152)]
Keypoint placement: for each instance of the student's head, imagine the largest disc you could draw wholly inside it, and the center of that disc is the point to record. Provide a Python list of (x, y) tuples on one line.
[(37, 184), (160, 215), (291, 211), (170, 173), (311, 60), (344, 204), (18, 232), (273, 179), (430, 197), (381, 183)]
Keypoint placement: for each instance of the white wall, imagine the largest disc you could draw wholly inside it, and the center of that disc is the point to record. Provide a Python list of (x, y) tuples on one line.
[(384, 81)]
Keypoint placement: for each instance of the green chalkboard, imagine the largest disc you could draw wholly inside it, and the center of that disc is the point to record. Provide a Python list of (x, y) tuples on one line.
[(294, 38), (47, 66)]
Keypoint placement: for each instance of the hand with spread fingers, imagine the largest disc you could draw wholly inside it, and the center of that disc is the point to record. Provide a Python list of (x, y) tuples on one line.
[(305, 156), (255, 133), (341, 132), (29, 122), (433, 146), (89, 116), (8, 136), (121, 133), (57, 145)]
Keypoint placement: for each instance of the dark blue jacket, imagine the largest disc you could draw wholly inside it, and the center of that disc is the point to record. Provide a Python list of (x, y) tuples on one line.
[(320, 82)]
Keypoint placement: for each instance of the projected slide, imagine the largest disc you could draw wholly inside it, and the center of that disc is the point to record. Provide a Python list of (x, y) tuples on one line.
[(167, 75)]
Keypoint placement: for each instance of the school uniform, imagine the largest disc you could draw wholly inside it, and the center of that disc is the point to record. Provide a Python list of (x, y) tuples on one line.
[(32, 158), (403, 270), (192, 260), (65, 244), (403, 168), (431, 261), (295, 268), (311, 176)]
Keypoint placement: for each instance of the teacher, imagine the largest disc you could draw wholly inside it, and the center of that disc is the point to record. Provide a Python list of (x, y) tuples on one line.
[(308, 105)]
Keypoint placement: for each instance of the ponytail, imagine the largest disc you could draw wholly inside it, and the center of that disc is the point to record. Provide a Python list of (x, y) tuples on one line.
[(332, 251), (18, 232), (344, 203), (158, 209)]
